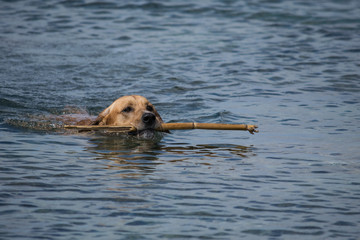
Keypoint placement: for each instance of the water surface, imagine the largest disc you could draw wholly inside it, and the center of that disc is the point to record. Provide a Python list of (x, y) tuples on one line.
[(292, 67)]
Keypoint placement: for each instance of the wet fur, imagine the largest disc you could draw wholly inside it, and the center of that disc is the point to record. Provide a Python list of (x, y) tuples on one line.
[(126, 110)]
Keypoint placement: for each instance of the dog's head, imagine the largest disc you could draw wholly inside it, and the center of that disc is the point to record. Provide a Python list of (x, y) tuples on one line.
[(131, 110)]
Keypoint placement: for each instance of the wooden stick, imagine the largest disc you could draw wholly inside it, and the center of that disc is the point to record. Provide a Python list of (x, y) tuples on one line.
[(210, 126), (170, 126), (123, 128)]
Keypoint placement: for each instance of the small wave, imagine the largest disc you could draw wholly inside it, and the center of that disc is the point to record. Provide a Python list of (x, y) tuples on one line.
[(10, 104)]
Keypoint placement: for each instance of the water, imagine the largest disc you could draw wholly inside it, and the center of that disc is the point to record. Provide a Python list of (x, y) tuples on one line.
[(292, 67)]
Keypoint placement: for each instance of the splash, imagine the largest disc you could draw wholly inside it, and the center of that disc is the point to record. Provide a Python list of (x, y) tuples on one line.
[(52, 122)]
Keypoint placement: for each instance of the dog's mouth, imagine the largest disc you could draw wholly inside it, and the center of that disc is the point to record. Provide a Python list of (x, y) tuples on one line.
[(148, 133)]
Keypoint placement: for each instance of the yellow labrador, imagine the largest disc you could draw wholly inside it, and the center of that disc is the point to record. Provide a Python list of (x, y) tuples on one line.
[(132, 110)]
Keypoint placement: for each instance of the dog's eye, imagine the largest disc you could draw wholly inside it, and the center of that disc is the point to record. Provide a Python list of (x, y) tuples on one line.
[(127, 109), (150, 108)]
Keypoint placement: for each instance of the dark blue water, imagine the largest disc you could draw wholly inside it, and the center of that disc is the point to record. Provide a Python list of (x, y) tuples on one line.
[(292, 67)]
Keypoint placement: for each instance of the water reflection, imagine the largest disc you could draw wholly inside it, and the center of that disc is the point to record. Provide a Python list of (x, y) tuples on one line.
[(133, 157), (210, 151)]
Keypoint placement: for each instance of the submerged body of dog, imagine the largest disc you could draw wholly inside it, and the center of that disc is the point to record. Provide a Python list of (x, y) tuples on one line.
[(133, 110)]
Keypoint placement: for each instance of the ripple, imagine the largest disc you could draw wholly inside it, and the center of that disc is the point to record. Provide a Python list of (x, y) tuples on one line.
[(10, 104), (281, 232)]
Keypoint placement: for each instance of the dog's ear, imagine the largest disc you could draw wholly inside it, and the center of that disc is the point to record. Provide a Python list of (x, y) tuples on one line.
[(161, 121), (101, 119), (158, 115)]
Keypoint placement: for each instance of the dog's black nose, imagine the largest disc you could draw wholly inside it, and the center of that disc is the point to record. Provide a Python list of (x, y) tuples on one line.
[(148, 119)]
